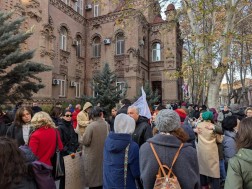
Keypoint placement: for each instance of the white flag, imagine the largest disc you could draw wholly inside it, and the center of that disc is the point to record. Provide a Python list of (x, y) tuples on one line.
[(142, 104)]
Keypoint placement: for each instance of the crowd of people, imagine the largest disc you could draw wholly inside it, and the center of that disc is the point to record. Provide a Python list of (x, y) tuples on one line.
[(201, 147)]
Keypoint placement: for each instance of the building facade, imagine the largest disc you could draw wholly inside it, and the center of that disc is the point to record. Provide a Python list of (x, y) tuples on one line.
[(77, 37)]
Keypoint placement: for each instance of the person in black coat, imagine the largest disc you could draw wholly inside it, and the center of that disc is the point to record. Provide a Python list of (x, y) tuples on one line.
[(67, 134), (21, 127), (143, 129)]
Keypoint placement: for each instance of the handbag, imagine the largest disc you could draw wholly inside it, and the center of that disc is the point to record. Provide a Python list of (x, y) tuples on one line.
[(43, 175), (57, 162), (166, 181)]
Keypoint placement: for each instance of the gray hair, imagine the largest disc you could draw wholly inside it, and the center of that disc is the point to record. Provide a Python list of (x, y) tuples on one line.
[(135, 108)]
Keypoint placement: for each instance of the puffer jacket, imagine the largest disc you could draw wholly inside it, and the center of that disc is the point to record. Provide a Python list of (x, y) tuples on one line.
[(229, 145), (239, 174), (113, 163)]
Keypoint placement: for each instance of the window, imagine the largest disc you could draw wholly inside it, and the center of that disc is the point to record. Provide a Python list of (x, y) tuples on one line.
[(79, 7), (97, 47), (96, 10), (62, 84), (121, 86), (119, 44), (66, 1), (78, 46), (77, 90), (156, 52), (63, 39)]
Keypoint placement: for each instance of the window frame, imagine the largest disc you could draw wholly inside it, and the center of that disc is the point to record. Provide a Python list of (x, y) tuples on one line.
[(63, 39), (79, 7), (62, 84), (156, 51), (96, 47), (78, 47), (120, 44), (96, 10), (77, 89)]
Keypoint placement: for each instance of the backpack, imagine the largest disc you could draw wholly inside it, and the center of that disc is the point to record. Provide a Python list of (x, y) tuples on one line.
[(166, 181)]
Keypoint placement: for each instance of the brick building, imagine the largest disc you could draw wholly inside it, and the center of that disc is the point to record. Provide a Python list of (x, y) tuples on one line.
[(77, 37)]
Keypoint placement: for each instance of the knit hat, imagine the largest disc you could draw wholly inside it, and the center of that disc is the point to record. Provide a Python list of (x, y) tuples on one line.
[(208, 115), (182, 114), (235, 108), (124, 124), (167, 120)]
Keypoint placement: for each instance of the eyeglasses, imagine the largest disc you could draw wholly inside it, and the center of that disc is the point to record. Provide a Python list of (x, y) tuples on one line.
[(68, 115)]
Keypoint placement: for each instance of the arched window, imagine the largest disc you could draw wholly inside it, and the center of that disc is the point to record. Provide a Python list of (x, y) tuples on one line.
[(156, 52), (78, 46), (96, 47), (119, 44), (63, 38)]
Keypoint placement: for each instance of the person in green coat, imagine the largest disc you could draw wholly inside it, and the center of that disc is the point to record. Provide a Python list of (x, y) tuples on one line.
[(239, 174)]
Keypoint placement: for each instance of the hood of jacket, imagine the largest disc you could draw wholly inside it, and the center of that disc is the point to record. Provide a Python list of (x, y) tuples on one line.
[(87, 105), (117, 142), (142, 119), (231, 134), (245, 154)]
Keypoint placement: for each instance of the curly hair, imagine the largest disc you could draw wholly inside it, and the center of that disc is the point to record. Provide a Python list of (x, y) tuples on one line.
[(41, 119), (12, 163)]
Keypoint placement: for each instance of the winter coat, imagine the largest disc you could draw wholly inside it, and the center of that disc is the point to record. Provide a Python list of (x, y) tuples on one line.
[(68, 137), (93, 141), (113, 163), (142, 131), (185, 168), (189, 130), (239, 174), (43, 144), (83, 120), (16, 132), (207, 149), (74, 117), (229, 145)]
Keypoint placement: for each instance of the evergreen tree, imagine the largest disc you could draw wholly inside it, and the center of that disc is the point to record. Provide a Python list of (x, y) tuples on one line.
[(18, 78), (106, 93), (151, 96)]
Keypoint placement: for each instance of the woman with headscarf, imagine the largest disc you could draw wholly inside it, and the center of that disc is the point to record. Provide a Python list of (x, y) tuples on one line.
[(117, 145), (166, 143), (208, 156)]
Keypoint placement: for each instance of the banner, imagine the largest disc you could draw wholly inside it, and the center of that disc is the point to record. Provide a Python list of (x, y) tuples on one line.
[(142, 104), (74, 171)]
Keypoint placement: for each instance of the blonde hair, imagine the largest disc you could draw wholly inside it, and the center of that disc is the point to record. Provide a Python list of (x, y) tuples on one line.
[(41, 119)]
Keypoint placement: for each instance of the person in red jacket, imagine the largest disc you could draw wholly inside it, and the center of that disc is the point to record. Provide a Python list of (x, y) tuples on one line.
[(43, 140), (74, 115)]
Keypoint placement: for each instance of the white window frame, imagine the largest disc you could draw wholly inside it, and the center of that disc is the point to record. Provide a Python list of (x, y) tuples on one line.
[(120, 44), (122, 85), (96, 10), (79, 7), (62, 84), (77, 89), (156, 52), (95, 94), (63, 39)]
